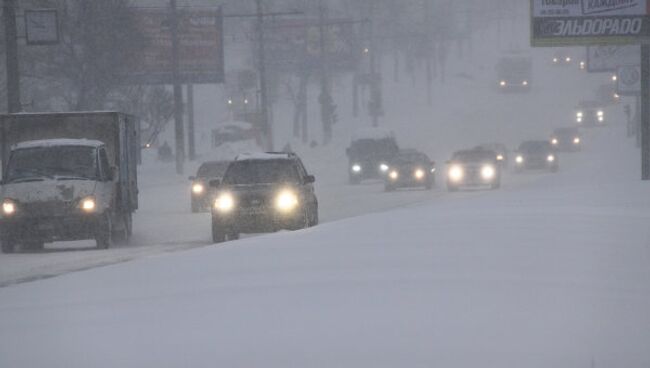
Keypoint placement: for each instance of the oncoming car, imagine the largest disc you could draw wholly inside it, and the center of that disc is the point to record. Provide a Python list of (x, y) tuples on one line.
[(473, 168), (202, 194), (369, 154), (538, 155), (590, 114), (514, 73), (566, 139), (263, 192), (410, 168)]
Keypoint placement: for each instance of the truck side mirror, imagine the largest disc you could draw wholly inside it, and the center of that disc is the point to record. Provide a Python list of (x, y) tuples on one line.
[(309, 179), (215, 183)]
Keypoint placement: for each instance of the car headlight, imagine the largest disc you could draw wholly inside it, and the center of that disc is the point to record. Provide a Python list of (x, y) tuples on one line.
[(601, 118), (601, 113), (502, 83), (383, 167), (198, 188), (488, 172), (576, 140), (356, 168), (555, 60), (419, 174), (550, 158), (225, 202), (394, 175), (579, 115), (456, 173), (8, 207), (519, 159), (524, 83), (554, 141), (88, 204), (568, 60), (500, 157), (286, 201)]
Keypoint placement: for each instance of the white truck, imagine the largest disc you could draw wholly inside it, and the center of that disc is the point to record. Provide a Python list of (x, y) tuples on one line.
[(67, 176)]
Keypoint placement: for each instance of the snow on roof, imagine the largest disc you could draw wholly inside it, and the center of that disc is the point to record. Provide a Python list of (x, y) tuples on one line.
[(372, 133), (262, 156), (58, 142)]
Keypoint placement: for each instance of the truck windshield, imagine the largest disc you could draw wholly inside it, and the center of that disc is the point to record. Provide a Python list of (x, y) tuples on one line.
[(261, 172), (373, 148), (75, 162)]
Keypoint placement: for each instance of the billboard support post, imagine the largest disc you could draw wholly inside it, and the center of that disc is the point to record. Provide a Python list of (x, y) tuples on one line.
[(178, 92), (643, 136)]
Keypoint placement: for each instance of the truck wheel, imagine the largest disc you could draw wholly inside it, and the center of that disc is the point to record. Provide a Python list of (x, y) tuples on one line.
[(218, 234), (8, 245), (104, 233)]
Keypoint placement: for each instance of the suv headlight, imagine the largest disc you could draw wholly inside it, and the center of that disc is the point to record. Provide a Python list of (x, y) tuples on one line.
[(488, 172), (88, 205), (554, 141), (225, 202), (456, 173), (8, 207), (286, 201), (520, 159)]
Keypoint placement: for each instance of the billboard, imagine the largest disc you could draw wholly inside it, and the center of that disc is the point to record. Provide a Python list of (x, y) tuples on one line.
[(580, 22), (601, 59), (294, 44), (200, 36)]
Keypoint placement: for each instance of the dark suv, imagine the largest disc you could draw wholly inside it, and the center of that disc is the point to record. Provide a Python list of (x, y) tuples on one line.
[(263, 192)]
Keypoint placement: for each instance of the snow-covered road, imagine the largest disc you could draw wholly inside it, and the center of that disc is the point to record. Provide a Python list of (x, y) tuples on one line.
[(553, 273)]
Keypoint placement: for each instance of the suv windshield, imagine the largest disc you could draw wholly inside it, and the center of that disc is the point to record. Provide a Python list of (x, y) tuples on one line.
[(373, 148), (535, 147), (261, 172), (212, 169), (51, 162)]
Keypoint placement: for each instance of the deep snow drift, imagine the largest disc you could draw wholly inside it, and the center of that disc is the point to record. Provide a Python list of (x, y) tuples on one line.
[(553, 274)]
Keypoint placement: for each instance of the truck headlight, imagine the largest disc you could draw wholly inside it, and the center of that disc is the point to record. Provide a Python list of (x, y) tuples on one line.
[(356, 168), (383, 167), (88, 204), (456, 173), (394, 175), (550, 158), (519, 159), (225, 202), (198, 188), (488, 172), (8, 207), (286, 201), (419, 174)]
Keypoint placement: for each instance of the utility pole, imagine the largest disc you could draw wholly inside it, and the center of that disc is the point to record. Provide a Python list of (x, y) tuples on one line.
[(645, 112), (264, 114), (13, 69), (191, 142), (375, 108), (325, 98), (178, 92)]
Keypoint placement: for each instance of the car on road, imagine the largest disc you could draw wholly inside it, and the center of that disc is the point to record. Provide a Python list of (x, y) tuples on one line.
[(201, 192), (473, 168), (410, 169), (562, 57), (501, 152), (536, 155), (369, 154), (590, 114), (264, 192), (566, 139), (514, 73)]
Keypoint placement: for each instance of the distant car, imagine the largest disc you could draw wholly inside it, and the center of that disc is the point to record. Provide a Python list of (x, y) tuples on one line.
[(538, 155), (501, 152), (369, 154), (202, 193), (590, 114), (566, 139), (473, 168), (410, 168), (562, 57), (514, 73), (263, 192)]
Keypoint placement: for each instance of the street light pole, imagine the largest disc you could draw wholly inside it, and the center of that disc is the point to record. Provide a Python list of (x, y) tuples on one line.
[(262, 69), (13, 69), (178, 92)]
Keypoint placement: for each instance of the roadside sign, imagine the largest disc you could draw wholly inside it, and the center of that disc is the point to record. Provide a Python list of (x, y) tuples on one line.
[(601, 59), (589, 22), (629, 80), (200, 37), (42, 27)]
